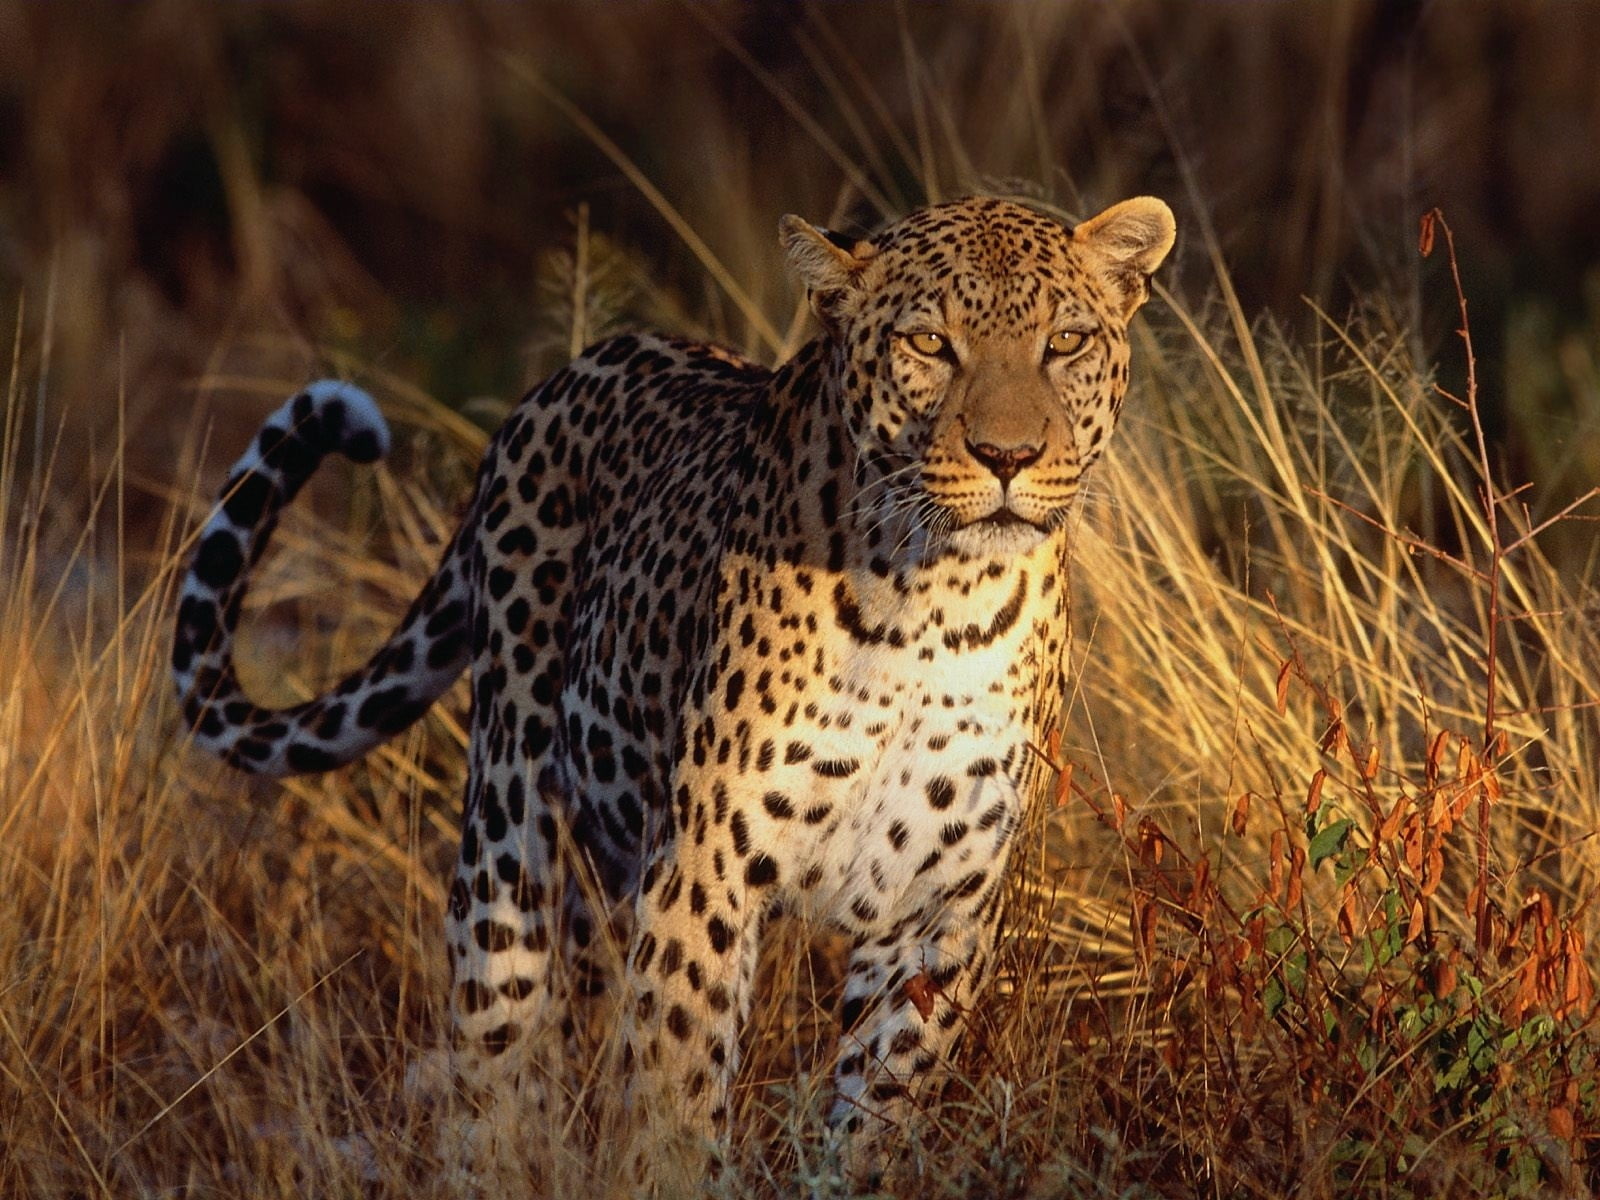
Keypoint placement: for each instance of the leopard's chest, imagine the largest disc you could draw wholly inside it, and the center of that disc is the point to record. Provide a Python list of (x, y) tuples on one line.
[(889, 775), (937, 800)]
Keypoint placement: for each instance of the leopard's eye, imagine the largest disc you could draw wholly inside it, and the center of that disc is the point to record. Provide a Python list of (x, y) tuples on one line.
[(1067, 343), (933, 345)]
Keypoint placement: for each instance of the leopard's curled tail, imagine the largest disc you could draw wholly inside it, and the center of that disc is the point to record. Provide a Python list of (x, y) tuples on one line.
[(401, 679)]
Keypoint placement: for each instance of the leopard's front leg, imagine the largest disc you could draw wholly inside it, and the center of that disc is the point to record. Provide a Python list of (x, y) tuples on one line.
[(690, 967), (904, 1008), (918, 969)]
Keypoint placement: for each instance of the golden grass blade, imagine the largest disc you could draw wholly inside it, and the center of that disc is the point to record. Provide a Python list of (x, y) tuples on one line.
[(226, 1058)]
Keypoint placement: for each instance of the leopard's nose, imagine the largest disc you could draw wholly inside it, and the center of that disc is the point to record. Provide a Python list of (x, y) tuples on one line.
[(1004, 461)]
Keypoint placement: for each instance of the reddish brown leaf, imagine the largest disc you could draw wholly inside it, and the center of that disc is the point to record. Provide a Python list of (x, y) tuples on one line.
[(1064, 785), (1390, 825), (1241, 814), (1314, 793), (922, 992), (1491, 785), (1439, 811), (1144, 923), (1445, 979), (1432, 870), (1411, 843), (1152, 845), (1562, 1124), (1347, 916), (1526, 996), (1414, 926)]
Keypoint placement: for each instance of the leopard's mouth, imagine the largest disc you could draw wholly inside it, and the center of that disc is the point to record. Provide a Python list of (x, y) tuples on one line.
[(1006, 517), (1003, 532)]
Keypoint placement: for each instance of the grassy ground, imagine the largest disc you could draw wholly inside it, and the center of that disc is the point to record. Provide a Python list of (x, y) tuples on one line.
[(1311, 915)]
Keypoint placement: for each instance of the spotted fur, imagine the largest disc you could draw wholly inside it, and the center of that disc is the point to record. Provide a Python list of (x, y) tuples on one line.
[(740, 639)]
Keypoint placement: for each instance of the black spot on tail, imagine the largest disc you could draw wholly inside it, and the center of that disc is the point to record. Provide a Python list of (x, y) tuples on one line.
[(308, 760), (198, 631), (245, 499), (288, 453), (390, 710), (333, 422), (363, 447), (219, 559), (331, 722)]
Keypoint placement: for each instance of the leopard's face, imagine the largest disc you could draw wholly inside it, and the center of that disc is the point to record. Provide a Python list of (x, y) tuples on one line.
[(984, 352)]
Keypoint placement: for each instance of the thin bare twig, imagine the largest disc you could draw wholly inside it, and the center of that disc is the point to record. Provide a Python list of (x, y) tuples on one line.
[(1414, 544), (1490, 499), (1563, 515)]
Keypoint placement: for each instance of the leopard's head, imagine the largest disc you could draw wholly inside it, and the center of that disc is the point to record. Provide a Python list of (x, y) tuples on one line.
[(980, 353)]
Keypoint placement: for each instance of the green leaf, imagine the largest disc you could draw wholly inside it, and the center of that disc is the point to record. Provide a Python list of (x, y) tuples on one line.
[(1272, 997), (1453, 1075), (1280, 940), (1329, 841), (1476, 1039), (1410, 1021), (1367, 1054), (1295, 969)]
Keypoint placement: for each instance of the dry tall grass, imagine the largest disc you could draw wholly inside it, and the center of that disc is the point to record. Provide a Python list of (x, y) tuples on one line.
[(218, 987), (1294, 928)]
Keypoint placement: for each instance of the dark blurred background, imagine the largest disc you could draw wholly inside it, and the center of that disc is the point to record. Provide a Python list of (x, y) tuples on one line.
[(195, 192)]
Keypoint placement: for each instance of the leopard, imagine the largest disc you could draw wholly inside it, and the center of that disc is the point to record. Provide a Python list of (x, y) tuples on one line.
[(742, 640)]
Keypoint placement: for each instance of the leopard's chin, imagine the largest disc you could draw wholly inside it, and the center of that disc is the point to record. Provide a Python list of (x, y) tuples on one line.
[(1004, 532)]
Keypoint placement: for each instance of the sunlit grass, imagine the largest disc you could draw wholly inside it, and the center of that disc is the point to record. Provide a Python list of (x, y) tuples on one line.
[(214, 984), (1213, 985)]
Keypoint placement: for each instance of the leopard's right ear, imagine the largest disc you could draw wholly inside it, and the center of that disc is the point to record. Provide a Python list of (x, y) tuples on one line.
[(826, 263)]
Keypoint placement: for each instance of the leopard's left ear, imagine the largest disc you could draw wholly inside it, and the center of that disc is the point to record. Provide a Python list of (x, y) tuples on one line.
[(1130, 240), (826, 263)]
